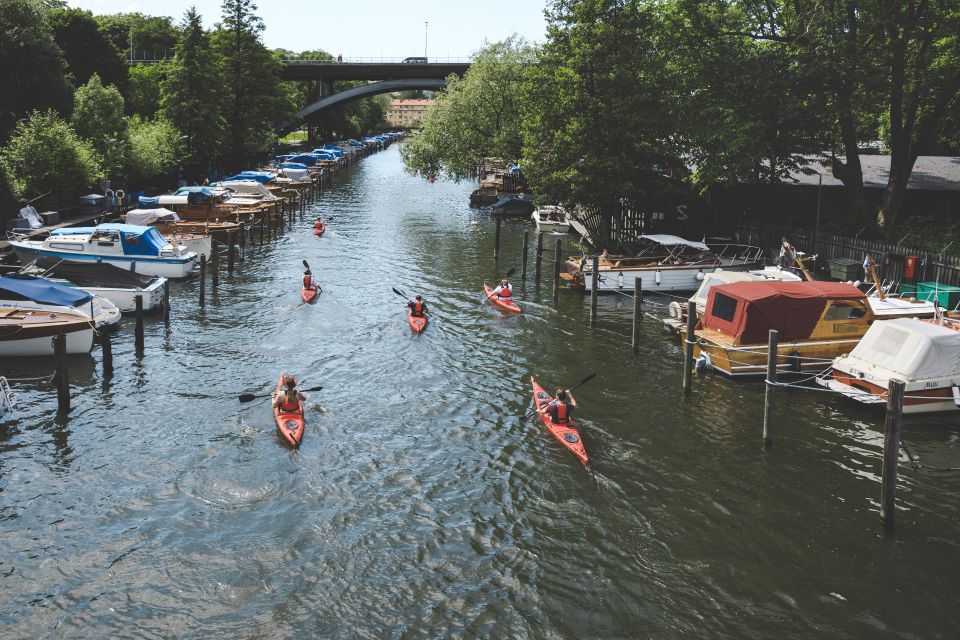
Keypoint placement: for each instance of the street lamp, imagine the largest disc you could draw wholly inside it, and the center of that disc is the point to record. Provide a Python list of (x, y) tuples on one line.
[(425, 26)]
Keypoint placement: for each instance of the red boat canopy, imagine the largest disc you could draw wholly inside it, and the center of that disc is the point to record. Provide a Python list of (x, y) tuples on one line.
[(748, 310)]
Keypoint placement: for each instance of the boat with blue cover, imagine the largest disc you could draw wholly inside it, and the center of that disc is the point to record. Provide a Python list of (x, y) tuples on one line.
[(30, 293), (135, 248)]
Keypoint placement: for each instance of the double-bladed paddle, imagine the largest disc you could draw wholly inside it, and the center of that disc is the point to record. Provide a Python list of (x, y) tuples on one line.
[(579, 384), (247, 397)]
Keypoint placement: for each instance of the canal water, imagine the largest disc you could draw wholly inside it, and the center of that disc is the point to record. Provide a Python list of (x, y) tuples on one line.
[(419, 504)]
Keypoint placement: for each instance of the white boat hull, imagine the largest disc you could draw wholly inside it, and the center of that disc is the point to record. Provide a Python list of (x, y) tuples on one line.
[(78, 342), (103, 312), (125, 299), (653, 280), (176, 268)]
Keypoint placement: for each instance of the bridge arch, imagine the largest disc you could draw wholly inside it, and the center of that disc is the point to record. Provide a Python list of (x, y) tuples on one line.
[(364, 91)]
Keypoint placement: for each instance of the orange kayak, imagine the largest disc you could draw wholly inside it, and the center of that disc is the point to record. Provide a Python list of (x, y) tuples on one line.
[(566, 434), (318, 228), (308, 295), (418, 324), (290, 425), (506, 304)]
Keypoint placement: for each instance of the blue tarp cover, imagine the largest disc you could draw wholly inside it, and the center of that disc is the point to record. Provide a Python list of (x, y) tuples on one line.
[(195, 195), (149, 203), (260, 176), (42, 291), (306, 158), (137, 240), (513, 204), (293, 165)]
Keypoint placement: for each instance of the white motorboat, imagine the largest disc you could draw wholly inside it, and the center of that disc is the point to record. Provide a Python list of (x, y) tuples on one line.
[(666, 263), (118, 286), (136, 248), (30, 293), (551, 219), (25, 333), (925, 354)]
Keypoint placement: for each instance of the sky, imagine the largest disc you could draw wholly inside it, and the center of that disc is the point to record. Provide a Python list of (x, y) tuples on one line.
[(367, 28)]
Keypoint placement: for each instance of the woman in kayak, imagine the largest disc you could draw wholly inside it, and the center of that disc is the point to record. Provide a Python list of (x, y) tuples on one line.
[(503, 290), (309, 282), (418, 308), (289, 398), (561, 408)]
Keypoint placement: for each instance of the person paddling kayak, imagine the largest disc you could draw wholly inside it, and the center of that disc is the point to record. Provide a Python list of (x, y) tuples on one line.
[(289, 398), (418, 308), (503, 290), (309, 282), (561, 407)]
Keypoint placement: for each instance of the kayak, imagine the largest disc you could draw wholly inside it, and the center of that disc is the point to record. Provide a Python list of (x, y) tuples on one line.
[(417, 324), (318, 230), (290, 425), (308, 295), (506, 304), (567, 434)]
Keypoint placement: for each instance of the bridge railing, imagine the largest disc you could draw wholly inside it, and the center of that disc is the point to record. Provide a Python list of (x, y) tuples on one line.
[(386, 60)]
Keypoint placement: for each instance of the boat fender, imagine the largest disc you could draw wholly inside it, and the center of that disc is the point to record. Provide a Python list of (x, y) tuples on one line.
[(703, 363), (571, 437), (133, 266), (700, 275), (675, 311), (656, 277), (620, 280), (794, 360)]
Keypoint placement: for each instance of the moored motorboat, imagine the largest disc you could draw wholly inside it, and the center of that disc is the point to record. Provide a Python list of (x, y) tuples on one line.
[(507, 304), (566, 434), (25, 333), (289, 423), (551, 219), (117, 285), (30, 293)]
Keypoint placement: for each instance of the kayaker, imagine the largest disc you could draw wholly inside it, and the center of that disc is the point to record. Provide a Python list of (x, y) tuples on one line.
[(561, 407), (418, 308), (309, 282), (289, 398), (503, 290)]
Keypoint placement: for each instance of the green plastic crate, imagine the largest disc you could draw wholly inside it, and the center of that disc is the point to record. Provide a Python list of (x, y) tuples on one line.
[(845, 268), (947, 296)]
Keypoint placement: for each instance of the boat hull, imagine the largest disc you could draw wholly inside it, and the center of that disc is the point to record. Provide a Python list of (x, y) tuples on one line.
[(567, 435), (37, 341), (750, 361), (289, 424), (417, 324), (176, 268), (652, 279), (507, 305)]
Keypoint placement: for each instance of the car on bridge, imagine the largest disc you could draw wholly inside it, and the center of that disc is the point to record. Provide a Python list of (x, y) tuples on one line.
[(415, 60)]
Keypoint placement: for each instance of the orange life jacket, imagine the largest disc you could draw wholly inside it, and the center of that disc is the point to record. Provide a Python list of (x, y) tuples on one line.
[(287, 406), (504, 292), (307, 282), (418, 309), (559, 412)]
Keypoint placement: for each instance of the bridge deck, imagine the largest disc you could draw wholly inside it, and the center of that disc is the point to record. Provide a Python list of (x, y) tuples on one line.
[(331, 70)]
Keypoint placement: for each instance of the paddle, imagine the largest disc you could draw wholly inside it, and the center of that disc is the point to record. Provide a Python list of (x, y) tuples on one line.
[(506, 275), (579, 384), (402, 294), (247, 397)]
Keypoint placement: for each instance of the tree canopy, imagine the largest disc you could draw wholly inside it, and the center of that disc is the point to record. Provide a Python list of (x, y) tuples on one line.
[(87, 49)]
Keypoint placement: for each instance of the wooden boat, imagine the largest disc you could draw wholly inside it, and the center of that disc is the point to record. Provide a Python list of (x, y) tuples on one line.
[(551, 219), (925, 354), (119, 286), (816, 321), (667, 263), (32, 293), (28, 333)]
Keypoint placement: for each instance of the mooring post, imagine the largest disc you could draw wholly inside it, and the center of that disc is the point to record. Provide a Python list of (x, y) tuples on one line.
[(768, 392), (637, 314), (231, 250), (496, 240), (594, 285), (63, 380), (891, 451), (243, 241), (556, 270), (691, 339), (138, 327), (538, 258), (107, 347), (166, 302), (523, 256), (215, 265), (203, 278)]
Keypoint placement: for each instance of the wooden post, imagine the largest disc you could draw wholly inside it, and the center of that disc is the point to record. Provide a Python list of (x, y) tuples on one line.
[(523, 256), (768, 394), (63, 379), (243, 241), (637, 313), (594, 285), (138, 328), (539, 257), (270, 227), (691, 339), (556, 270), (203, 278), (231, 249), (891, 451), (107, 348), (496, 240), (166, 302), (262, 225), (215, 266)]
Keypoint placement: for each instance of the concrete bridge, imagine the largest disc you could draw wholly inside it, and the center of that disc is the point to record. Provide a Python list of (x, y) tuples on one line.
[(383, 76)]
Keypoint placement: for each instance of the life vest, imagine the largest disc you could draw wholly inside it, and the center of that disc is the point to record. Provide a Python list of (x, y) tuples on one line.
[(418, 309), (287, 406), (505, 292), (307, 282), (559, 412)]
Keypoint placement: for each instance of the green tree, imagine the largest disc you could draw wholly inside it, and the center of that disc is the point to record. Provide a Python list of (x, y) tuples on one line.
[(255, 104), (475, 117), (98, 118), (155, 149), (148, 35), (87, 49), (192, 95), (144, 92), (31, 74), (45, 155)]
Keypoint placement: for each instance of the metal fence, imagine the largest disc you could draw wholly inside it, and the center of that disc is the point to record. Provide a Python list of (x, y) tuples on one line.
[(891, 258)]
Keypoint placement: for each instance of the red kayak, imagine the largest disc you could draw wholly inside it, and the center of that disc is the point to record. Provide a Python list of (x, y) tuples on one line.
[(318, 228), (418, 324), (506, 304), (308, 295), (566, 434), (290, 425)]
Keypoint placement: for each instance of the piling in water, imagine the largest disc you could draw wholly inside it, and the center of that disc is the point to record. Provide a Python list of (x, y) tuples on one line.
[(637, 313), (556, 269), (538, 258), (768, 391), (107, 347), (688, 346), (891, 451), (595, 284), (62, 377), (203, 278), (138, 326), (523, 256), (496, 240)]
